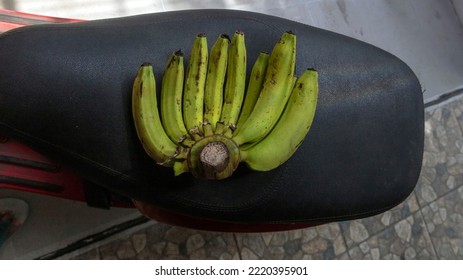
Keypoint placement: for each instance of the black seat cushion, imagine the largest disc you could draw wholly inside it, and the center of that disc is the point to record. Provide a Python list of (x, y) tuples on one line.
[(65, 89)]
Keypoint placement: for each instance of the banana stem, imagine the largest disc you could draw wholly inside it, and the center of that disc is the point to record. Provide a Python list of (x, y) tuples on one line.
[(214, 158)]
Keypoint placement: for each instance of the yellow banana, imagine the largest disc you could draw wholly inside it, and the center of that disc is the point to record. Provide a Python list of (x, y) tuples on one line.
[(254, 87), (274, 94), (281, 143), (193, 95), (213, 92), (236, 80), (150, 131), (171, 97)]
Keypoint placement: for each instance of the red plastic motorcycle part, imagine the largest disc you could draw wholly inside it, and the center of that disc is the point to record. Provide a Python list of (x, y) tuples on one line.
[(14, 19), (24, 169)]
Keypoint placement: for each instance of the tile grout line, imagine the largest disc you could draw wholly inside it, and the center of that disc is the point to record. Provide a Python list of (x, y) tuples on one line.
[(235, 239), (388, 227), (441, 101), (428, 204), (449, 98), (344, 239), (433, 245)]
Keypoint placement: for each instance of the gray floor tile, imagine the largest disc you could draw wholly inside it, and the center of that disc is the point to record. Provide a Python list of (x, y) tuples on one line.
[(93, 254), (357, 231), (442, 169), (321, 242), (458, 111), (406, 239), (444, 221), (161, 241)]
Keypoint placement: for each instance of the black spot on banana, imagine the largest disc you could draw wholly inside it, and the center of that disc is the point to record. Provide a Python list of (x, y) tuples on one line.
[(206, 128)]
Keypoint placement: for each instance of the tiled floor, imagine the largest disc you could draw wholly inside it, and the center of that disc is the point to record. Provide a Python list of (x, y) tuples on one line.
[(428, 225)]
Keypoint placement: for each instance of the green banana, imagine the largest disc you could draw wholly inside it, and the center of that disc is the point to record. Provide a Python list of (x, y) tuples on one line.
[(150, 131), (180, 167), (274, 94), (193, 96), (207, 129), (254, 87), (204, 126), (236, 80), (215, 80), (293, 83), (171, 97), (181, 164), (291, 129)]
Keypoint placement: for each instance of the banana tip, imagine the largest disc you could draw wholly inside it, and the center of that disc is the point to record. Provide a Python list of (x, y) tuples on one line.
[(225, 36), (146, 64)]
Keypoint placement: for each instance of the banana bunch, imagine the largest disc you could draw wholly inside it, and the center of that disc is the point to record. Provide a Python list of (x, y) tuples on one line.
[(208, 122)]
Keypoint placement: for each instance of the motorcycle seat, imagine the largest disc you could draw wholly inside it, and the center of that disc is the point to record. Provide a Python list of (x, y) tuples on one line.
[(65, 90)]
